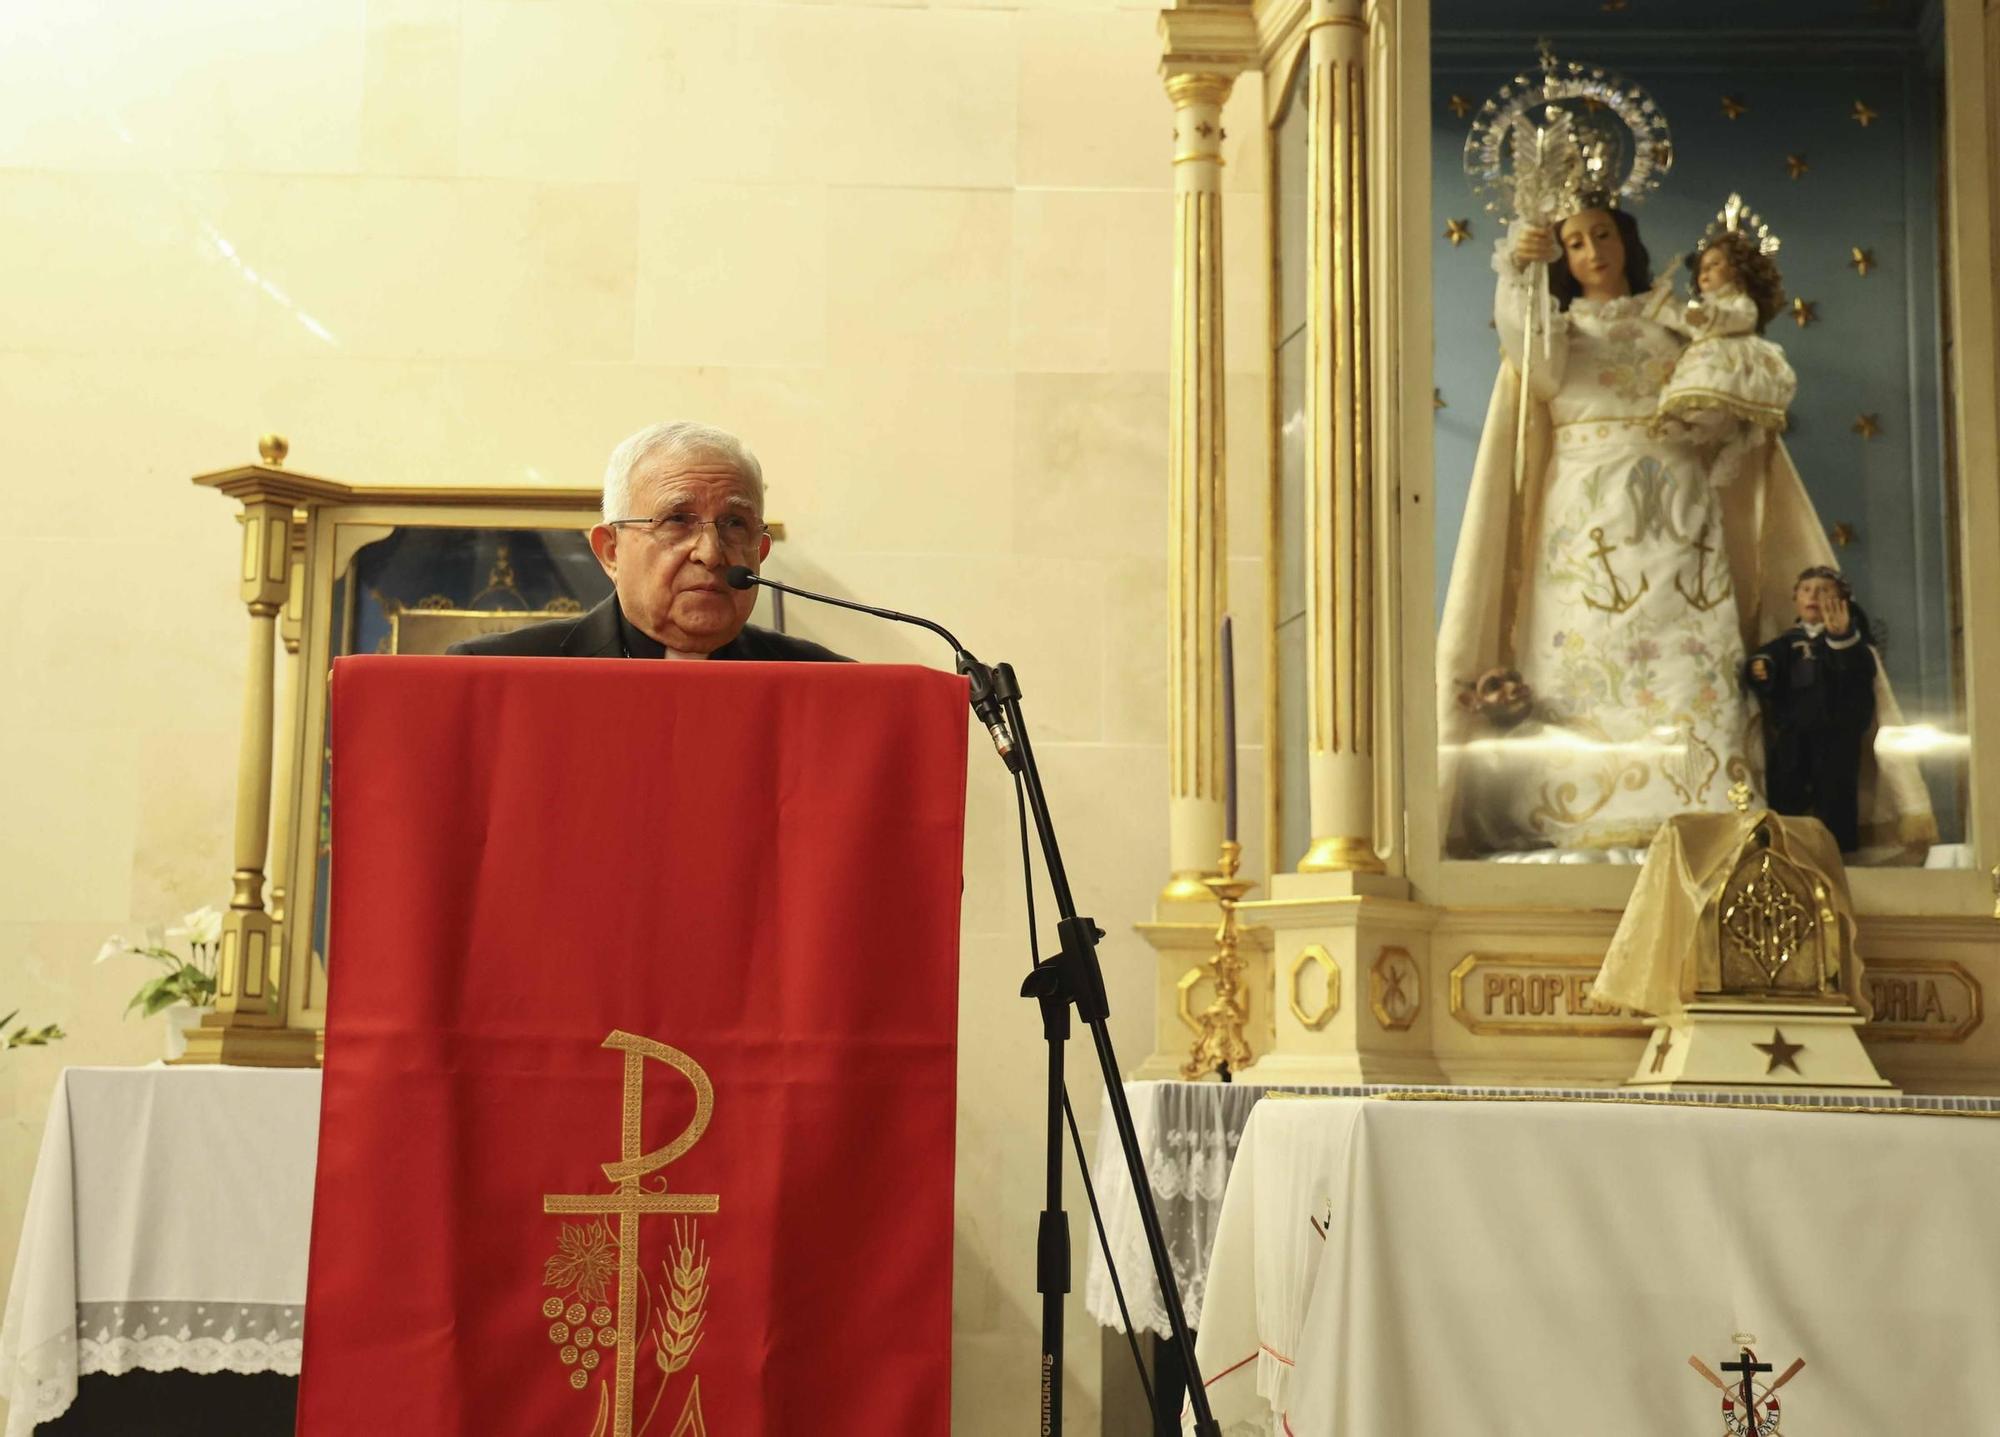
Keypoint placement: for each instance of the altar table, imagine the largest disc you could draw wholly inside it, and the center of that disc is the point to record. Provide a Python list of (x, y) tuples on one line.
[(166, 1229), (1425, 1263)]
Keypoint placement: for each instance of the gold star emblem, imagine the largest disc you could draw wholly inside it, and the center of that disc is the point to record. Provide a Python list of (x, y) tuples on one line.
[(1863, 116), (1805, 311), (1780, 1052), (1612, 7), (1868, 425), (1843, 534), (1437, 399), (1459, 106), (1862, 260), (1458, 231), (1795, 165), (1733, 107)]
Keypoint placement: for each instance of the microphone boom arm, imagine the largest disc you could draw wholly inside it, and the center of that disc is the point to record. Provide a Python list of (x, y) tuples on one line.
[(985, 701)]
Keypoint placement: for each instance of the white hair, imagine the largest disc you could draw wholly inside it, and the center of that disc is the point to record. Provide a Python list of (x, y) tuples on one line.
[(676, 439)]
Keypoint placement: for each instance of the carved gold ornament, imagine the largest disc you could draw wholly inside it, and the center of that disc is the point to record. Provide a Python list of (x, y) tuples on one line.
[(1860, 260), (1796, 166), (1771, 933), (1314, 954), (1805, 311), (1733, 107), (1184, 995), (1863, 115), (1220, 1045), (1395, 989), (1868, 425), (1458, 232)]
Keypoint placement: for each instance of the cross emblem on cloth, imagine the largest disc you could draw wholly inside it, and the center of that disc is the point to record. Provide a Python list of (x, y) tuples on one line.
[(629, 1199)]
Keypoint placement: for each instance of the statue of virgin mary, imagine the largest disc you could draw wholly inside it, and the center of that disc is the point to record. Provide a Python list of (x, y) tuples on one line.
[(1605, 556)]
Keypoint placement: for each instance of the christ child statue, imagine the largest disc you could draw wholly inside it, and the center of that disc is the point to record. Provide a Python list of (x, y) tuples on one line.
[(1816, 685), (1731, 386)]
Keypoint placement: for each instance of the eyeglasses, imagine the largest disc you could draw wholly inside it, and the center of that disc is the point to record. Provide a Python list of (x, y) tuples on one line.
[(737, 534)]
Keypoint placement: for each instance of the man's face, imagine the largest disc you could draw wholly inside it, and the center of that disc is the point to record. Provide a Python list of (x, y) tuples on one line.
[(676, 593), (1813, 598)]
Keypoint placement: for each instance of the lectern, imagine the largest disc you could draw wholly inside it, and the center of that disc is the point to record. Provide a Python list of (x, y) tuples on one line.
[(639, 1102)]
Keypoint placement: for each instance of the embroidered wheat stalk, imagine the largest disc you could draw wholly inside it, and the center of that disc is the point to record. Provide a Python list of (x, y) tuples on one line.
[(684, 1301)]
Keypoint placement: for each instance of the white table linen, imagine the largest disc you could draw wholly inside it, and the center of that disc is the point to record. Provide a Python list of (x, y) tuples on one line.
[(1433, 1268), (167, 1227)]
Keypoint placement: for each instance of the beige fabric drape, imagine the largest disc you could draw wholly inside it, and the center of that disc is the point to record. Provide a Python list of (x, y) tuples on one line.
[(1665, 950)]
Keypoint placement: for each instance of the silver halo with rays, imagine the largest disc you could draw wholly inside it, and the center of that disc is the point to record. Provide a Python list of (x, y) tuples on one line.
[(1622, 145)]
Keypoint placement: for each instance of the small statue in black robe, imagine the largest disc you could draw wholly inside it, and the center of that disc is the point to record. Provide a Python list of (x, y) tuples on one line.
[(1816, 685)]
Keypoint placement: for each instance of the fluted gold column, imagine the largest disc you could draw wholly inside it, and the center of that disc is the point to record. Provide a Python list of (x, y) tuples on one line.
[(284, 827), (248, 1024), (1197, 514), (1340, 516)]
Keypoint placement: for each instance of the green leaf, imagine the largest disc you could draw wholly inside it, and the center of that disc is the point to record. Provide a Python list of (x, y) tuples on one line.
[(148, 999)]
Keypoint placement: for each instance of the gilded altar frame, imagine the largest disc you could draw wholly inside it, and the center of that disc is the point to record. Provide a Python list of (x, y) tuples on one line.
[(1384, 804), (301, 533)]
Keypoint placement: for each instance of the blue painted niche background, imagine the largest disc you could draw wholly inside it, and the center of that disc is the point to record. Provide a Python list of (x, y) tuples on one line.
[(1875, 347)]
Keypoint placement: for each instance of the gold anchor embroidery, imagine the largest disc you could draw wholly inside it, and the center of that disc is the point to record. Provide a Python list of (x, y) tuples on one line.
[(1620, 600), (1701, 600), (630, 1199)]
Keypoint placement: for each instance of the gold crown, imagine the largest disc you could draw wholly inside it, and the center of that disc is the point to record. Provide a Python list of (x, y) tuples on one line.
[(1735, 217)]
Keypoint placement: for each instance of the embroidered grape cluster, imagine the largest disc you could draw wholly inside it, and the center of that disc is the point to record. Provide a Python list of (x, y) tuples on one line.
[(578, 1332)]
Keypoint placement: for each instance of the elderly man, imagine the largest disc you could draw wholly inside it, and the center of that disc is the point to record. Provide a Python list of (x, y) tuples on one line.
[(682, 502)]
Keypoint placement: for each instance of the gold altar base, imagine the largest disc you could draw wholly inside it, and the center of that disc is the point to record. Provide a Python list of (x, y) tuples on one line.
[(215, 1040), (1744, 1043), (1352, 1000)]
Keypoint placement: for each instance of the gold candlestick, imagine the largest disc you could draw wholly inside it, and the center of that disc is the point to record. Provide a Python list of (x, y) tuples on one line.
[(1219, 1044)]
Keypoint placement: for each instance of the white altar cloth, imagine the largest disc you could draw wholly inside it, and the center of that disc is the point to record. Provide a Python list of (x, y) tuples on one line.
[(167, 1227), (1436, 1267)]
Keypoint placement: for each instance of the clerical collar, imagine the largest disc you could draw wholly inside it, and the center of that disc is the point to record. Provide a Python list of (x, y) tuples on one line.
[(635, 641)]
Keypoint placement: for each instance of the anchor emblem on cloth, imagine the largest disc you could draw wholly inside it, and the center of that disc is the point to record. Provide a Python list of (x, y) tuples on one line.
[(1620, 598), (1749, 1408), (1703, 598)]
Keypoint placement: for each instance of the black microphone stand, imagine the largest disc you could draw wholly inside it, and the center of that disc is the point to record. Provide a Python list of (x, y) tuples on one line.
[(1072, 977)]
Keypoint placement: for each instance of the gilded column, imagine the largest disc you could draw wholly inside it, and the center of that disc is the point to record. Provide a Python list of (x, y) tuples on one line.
[(1340, 516), (248, 1024), (1197, 580), (284, 828)]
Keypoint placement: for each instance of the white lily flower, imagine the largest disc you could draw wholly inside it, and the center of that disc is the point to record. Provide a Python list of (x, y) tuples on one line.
[(113, 946), (203, 926)]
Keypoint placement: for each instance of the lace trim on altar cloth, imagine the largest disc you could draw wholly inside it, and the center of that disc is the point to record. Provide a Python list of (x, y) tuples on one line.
[(165, 1336), (39, 1384), (189, 1337)]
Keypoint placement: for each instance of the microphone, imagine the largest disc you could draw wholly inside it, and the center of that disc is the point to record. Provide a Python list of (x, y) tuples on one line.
[(985, 701)]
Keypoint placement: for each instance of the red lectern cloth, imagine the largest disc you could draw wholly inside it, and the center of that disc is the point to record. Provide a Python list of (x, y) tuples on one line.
[(579, 910)]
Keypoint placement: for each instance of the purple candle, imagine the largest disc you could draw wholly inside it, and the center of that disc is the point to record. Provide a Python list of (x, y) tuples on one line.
[(1228, 730)]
